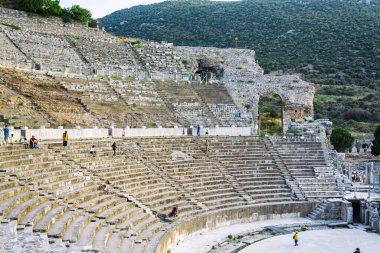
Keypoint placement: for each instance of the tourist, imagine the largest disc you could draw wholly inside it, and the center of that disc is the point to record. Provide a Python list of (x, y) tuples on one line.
[(93, 151), (114, 147), (108, 189), (12, 139), (357, 146), (199, 130), (357, 250), (365, 147), (25, 143), (174, 212), (6, 134), (33, 142), (207, 131), (295, 237), (101, 187), (65, 138), (206, 146)]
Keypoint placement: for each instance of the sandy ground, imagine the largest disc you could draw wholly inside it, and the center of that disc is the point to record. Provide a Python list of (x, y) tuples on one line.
[(318, 241), (200, 243)]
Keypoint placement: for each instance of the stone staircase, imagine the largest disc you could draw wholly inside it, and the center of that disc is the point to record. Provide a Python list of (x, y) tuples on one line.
[(319, 211), (252, 167), (306, 164), (290, 180)]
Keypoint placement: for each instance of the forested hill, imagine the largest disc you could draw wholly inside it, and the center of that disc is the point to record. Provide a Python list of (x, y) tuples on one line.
[(330, 41)]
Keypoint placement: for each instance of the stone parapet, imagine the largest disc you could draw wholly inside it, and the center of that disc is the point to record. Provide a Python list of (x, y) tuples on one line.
[(229, 217)]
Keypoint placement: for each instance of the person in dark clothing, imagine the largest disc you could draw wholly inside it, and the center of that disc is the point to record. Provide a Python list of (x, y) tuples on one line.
[(114, 147), (357, 250)]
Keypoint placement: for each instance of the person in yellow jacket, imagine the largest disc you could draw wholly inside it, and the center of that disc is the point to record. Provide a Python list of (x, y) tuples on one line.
[(295, 237), (65, 138)]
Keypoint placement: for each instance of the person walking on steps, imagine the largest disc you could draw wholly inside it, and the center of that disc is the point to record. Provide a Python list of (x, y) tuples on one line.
[(65, 138), (6, 134), (114, 147), (295, 238)]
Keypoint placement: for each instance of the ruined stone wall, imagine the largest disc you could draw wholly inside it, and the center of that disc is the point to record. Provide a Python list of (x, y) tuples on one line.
[(246, 82), (49, 45)]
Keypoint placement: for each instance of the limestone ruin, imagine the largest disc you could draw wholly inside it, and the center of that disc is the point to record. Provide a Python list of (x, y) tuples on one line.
[(183, 120)]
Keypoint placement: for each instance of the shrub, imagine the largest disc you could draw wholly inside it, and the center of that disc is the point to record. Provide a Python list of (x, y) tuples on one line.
[(231, 237), (42, 7), (341, 139), (15, 27), (77, 13), (375, 150), (93, 23), (358, 114), (295, 131), (303, 228)]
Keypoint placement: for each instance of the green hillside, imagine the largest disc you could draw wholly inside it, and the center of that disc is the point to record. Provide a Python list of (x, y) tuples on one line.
[(331, 42)]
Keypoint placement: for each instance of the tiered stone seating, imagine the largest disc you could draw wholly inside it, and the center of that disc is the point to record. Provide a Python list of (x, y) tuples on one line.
[(98, 98), (55, 190), (8, 51), (250, 165), (305, 161), (141, 93), (106, 53), (46, 49), (51, 25), (186, 104), (221, 104), (146, 108), (160, 58), (33, 181), (189, 167)]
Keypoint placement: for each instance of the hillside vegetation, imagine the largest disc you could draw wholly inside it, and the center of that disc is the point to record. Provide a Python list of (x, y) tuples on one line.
[(331, 42)]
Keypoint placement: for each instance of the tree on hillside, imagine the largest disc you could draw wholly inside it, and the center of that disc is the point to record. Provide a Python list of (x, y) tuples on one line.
[(375, 150), (42, 7), (341, 139), (76, 13)]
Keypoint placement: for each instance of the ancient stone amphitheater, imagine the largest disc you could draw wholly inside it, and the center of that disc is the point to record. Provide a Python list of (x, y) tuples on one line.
[(51, 199)]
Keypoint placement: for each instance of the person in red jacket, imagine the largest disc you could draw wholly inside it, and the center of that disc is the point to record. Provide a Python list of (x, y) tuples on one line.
[(174, 212)]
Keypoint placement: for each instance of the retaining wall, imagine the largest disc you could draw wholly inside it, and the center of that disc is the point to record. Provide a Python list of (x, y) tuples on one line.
[(93, 133), (229, 217)]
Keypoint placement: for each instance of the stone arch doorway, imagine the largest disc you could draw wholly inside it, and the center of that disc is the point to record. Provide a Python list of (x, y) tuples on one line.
[(270, 116)]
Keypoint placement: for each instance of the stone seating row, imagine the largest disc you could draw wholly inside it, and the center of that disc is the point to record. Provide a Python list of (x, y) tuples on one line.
[(51, 25), (45, 48), (160, 57), (8, 50), (105, 53), (248, 161), (301, 159), (56, 190)]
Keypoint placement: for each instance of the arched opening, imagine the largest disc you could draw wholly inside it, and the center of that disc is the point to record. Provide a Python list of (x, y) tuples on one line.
[(270, 114), (209, 70)]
